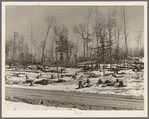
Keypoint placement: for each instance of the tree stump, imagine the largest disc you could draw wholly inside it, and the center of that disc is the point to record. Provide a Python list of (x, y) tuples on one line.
[(80, 84), (74, 76), (62, 76), (17, 75), (31, 84), (138, 68), (99, 81), (52, 77), (117, 80), (37, 77), (136, 71), (76, 73), (121, 84), (27, 77), (116, 71), (88, 81)]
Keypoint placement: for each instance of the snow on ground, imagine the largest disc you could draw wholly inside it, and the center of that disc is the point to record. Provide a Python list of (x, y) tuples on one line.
[(134, 82), (23, 106)]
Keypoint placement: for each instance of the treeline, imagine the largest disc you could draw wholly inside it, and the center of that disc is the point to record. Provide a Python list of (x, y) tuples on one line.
[(100, 33)]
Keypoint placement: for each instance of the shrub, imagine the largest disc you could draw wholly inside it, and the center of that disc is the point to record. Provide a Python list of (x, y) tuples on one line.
[(117, 80), (16, 82), (62, 76), (99, 81), (88, 81), (74, 76), (61, 81), (107, 81), (42, 82), (29, 81)]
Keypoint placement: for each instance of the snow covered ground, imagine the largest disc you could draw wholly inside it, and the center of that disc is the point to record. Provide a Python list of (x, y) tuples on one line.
[(134, 82), (23, 106)]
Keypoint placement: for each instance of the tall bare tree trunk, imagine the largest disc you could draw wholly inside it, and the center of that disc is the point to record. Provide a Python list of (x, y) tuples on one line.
[(50, 20), (87, 41), (124, 14), (14, 45), (139, 43), (43, 55), (31, 46), (118, 46), (98, 50), (67, 53), (84, 48), (110, 48), (57, 66), (52, 56)]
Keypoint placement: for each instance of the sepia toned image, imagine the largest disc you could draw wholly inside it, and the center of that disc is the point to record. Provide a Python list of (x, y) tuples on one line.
[(74, 58)]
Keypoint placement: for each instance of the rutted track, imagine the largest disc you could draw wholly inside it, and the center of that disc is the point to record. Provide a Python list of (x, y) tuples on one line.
[(91, 99)]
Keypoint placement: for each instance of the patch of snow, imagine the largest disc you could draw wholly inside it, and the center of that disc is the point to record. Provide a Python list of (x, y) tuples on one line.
[(23, 106), (134, 82)]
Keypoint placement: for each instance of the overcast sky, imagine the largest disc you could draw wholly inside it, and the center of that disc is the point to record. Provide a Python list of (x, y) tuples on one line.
[(20, 18)]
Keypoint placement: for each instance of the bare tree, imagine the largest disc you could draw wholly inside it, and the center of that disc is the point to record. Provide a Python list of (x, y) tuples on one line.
[(75, 51), (7, 48), (57, 65), (14, 45), (50, 20), (35, 44), (69, 48), (21, 47), (24, 55), (110, 25), (116, 33), (96, 33), (138, 38), (81, 30), (126, 26), (88, 35)]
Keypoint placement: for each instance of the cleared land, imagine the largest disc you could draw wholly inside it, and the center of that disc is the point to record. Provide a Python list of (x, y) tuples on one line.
[(134, 81), (66, 93)]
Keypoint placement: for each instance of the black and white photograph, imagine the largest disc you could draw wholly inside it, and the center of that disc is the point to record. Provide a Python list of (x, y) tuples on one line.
[(81, 59)]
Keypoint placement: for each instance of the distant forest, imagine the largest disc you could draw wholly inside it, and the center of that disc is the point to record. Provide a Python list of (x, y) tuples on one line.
[(100, 35)]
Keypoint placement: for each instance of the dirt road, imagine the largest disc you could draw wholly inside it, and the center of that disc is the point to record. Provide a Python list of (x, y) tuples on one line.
[(92, 99)]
